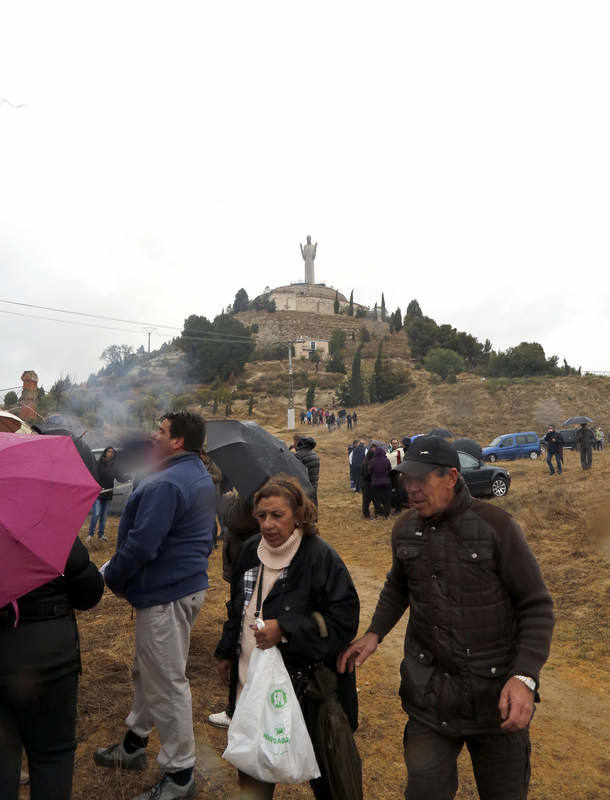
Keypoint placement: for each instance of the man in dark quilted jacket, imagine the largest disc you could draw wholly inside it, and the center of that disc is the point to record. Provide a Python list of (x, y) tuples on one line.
[(479, 631)]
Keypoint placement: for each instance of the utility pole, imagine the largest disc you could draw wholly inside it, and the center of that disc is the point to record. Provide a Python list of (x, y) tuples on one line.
[(149, 331), (291, 423)]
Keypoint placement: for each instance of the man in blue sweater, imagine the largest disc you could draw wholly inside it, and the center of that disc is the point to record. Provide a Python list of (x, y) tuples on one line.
[(160, 567)]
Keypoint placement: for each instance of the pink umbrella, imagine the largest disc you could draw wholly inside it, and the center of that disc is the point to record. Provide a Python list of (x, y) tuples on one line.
[(45, 494)]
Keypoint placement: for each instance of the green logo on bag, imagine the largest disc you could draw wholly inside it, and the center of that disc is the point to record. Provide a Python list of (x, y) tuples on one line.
[(278, 698)]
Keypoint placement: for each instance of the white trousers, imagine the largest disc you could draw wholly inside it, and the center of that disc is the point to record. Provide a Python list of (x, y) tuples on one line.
[(162, 695)]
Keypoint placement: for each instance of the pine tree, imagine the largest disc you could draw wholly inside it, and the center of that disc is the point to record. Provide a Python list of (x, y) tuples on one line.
[(337, 306), (356, 390), (350, 308), (310, 398)]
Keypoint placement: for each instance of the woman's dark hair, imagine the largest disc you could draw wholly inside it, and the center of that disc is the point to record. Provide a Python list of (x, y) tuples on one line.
[(370, 453), (191, 427), (290, 489)]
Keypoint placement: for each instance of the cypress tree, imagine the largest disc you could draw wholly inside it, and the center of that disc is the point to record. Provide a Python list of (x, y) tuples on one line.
[(356, 382), (350, 308), (383, 309), (337, 302)]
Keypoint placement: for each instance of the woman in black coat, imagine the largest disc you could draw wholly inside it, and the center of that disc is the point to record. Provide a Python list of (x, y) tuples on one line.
[(300, 574), (39, 668)]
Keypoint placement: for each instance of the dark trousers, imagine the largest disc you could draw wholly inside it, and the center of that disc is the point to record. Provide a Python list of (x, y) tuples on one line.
[(251, 789), (549, 461), (500, 761), (586, 456), (367, 497), (382, 498), (43, 722)]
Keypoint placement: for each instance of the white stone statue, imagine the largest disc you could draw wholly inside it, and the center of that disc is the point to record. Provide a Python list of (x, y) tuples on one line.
[(308, 251)]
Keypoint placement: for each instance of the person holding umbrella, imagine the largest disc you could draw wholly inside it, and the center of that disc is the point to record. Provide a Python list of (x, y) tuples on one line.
[(294, 579), (45, 574)]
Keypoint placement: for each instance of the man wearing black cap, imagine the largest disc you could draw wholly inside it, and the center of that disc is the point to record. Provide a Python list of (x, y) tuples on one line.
[(479, 631)]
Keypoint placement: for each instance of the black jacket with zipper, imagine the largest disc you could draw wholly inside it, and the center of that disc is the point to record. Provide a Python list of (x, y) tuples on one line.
[(479, 613)]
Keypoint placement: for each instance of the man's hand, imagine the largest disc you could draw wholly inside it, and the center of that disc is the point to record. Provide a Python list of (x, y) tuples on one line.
[(268, 636), (357, 653), (516, 705), (223, 668)]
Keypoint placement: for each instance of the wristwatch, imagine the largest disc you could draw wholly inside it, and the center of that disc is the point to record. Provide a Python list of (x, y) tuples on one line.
[(529, 682)]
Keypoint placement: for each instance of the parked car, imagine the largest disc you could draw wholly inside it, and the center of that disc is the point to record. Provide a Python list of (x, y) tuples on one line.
[(525, 444), (483, 481), (121, 491), (569, 438)]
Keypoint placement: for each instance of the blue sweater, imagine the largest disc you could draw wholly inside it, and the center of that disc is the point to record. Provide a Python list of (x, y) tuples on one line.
[(165, 535)]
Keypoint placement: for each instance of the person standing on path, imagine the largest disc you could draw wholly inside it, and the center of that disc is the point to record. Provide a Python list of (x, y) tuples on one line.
[(585, 441), (310, 460), (554, 445), (479, 631), (108, 472), (165, 537)]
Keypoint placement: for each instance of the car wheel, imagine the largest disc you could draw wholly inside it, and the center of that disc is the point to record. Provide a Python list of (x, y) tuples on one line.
[(499, 487), (533, 455), (492, 458)]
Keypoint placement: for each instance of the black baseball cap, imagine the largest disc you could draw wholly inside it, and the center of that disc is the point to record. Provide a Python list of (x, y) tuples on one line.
[(425, 453)]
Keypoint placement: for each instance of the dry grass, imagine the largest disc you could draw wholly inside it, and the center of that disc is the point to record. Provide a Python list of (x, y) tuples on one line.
[(566, 521)]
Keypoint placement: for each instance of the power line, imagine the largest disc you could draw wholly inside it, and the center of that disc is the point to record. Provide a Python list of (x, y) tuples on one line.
[(114, 319), (202, 337)]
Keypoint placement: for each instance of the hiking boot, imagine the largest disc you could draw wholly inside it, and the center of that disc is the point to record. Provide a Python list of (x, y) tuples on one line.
[(220, 720), (117, 757), (166, 789)]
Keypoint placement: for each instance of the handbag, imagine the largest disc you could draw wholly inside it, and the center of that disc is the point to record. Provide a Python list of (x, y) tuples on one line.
[(267, 737)]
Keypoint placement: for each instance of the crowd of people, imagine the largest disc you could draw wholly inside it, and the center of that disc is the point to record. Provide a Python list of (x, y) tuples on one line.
[(478, 635), (326, 416)]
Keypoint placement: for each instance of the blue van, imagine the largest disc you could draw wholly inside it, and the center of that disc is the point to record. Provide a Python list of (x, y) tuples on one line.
[(513, 445)]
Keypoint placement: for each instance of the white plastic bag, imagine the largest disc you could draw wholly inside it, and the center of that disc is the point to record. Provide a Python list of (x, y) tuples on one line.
[(267, 737)]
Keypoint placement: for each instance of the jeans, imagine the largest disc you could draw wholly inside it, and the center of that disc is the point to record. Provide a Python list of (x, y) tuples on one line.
[(500, 761), (99, 511), (43, 722), (549, 461)]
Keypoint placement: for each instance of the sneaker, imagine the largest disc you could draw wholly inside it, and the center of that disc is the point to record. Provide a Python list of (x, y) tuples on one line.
[(89, 539), (102, 538), (24, 777), (220, 720), (166, 789), (117, 757)]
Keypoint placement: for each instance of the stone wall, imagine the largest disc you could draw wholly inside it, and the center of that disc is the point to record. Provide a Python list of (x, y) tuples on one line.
[(282, 326)]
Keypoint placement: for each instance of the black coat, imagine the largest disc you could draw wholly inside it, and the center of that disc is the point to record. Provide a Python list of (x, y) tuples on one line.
[(309, 459), (317, 580), (108, 471), (44, 645)]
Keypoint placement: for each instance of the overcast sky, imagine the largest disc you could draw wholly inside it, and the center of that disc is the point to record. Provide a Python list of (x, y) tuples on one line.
[(167, 154)]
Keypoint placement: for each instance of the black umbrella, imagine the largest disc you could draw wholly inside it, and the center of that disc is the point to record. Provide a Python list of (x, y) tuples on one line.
[(248, 456), (442, 432), (577, 420), (469, 446)]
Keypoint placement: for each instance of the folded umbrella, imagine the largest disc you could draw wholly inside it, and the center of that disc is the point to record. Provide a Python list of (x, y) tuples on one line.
[(46, 494), (248, 455), (577, 420)]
